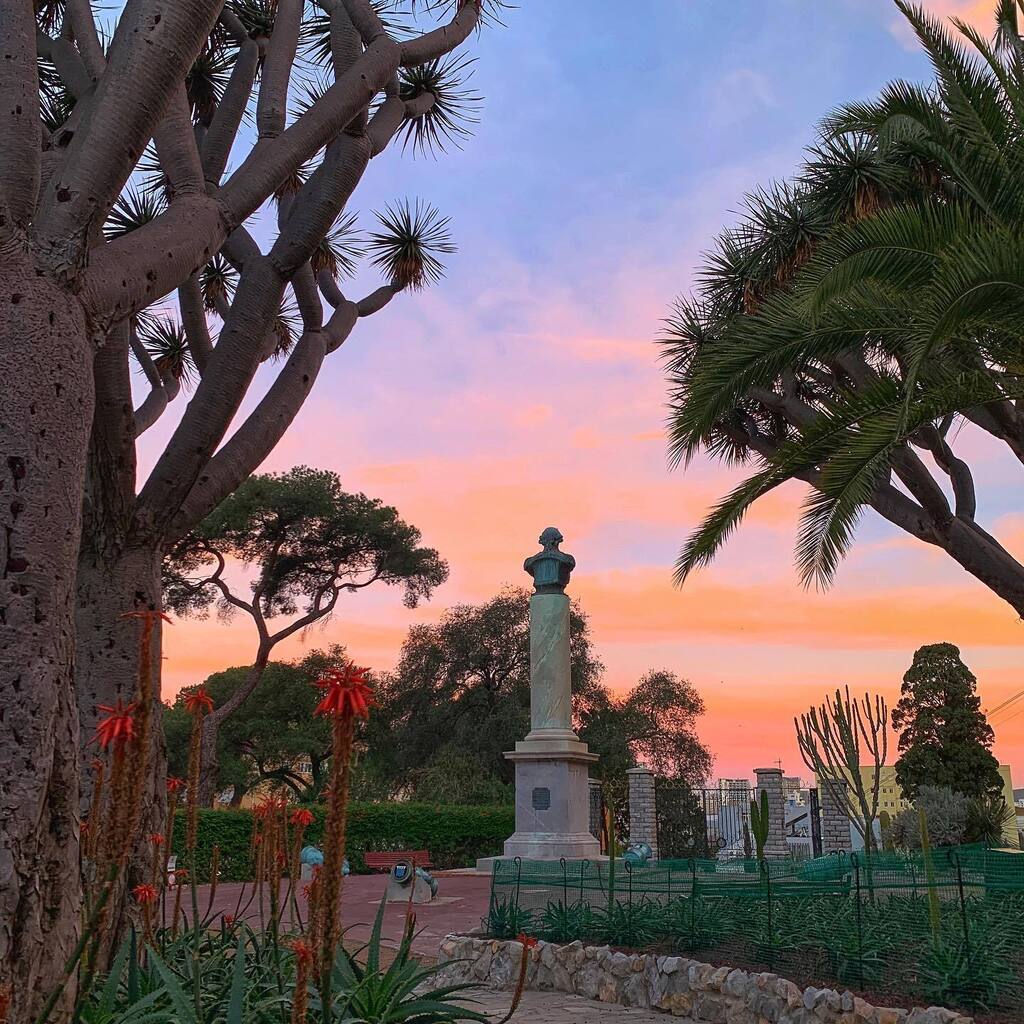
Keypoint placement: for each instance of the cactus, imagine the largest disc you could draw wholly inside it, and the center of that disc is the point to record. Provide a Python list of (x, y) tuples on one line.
[(759, 823)]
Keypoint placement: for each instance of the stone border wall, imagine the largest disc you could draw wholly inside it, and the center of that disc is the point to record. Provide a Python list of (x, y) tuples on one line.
[(684, 988)]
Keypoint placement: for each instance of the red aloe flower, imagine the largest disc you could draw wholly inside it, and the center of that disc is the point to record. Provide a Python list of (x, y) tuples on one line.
[(198, 701), (346, 693), (268, 805), (119, 725), (528, 941), (84, 830), (145, 894), (301, 818), (156, 838), (180, 876), (173, 785), (303, 951), (228, 919)]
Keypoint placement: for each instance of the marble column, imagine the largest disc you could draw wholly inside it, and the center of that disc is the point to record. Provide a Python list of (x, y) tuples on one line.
[(552, 764)]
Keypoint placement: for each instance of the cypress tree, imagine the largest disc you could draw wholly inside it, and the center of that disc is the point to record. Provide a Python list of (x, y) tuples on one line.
[(944, 737)]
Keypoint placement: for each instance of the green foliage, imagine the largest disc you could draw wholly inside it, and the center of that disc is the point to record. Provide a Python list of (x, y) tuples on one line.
[(945, 740), (950, 975), (506, 919), (400, 994), (247, 977), (309, 539), (455, 836), (864, 310), (946, 815)]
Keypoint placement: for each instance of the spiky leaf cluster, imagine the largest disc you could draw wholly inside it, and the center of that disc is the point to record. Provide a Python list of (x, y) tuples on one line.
[(166, 344), (408, 245), (454, 110)]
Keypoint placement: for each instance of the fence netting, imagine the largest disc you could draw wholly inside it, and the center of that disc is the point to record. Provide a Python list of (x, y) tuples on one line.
[(946, 928)]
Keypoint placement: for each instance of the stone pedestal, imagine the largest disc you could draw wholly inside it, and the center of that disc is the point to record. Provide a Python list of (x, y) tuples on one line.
[(769, 780), (552, 764)]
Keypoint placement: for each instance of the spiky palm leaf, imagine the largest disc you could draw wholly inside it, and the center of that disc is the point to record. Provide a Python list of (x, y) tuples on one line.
[(49, 15), (217, 281), (408, 246), (340, 249), (257, 16), (133, 209), (206, 81), (285, 329), (907, 307), (450, 117), (316, 29), (167, 345)]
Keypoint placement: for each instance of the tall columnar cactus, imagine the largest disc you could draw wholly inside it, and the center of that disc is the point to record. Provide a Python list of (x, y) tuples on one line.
[(759, 823)]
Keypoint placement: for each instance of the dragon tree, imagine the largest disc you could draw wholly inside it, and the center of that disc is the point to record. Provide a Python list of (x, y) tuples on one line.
[(135, 156)]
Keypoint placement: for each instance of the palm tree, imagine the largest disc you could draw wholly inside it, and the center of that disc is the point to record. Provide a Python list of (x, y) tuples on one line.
[(856, 316)]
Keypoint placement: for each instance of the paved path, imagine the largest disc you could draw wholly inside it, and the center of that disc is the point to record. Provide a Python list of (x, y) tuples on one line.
[(460, 905), (559, 1008)]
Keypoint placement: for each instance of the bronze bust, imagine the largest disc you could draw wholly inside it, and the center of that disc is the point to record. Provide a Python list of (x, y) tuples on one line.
[(550, 568)]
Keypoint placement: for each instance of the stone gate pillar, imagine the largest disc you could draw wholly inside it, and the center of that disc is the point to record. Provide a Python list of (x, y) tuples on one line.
[(643, 816), (835, 818), (769, 780)]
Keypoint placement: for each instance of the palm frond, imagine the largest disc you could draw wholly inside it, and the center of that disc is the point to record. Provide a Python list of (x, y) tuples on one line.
[(167, 345), (217, 281), (132, 209), (206, 81), (340, 249), (285, 329), (407, 248), (454, 109)]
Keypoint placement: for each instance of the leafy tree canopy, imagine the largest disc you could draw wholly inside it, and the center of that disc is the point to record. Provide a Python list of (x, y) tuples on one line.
[(856, 317), (944, 738), (309, 540)]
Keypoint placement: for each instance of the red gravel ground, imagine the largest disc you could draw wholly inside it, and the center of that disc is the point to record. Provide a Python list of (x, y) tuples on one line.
[(460, 904)]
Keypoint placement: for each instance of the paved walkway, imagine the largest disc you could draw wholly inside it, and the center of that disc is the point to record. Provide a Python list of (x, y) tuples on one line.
[(559, 1008), (460, 905)]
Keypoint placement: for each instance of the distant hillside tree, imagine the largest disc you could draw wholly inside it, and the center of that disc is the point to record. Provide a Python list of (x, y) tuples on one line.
[(944, 738)]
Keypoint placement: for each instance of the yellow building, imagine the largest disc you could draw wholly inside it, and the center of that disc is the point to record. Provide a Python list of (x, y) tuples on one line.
[(892, 800)]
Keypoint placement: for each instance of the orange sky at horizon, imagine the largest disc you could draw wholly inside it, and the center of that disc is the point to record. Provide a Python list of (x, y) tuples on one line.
[(526, 391)]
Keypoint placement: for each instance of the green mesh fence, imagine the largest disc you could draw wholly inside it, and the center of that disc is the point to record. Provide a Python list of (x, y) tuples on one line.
[(946, 929)]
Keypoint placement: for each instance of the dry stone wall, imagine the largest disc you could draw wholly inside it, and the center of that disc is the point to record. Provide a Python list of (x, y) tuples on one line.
[(682, 987)]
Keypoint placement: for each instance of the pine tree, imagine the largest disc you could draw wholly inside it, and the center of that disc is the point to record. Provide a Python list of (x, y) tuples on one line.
[(945, 739)]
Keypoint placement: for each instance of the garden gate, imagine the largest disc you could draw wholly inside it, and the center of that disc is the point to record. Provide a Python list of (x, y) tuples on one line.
[(703, 822)]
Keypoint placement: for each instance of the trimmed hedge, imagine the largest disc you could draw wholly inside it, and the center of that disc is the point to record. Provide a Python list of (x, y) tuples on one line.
[(455, 836)]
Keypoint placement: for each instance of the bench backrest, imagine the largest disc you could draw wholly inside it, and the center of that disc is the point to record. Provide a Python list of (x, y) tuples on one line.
[(385, 861)]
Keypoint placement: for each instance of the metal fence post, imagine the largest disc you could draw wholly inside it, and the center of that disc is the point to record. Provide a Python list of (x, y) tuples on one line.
[(518, 861), (565, 884), (766, 877), (584, 865)]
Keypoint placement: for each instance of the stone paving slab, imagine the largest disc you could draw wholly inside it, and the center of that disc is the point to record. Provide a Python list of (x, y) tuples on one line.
[(559, 1008)]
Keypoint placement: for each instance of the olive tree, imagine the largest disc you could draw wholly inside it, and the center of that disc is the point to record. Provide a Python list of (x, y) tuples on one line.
[(307, 542), (116, 195)]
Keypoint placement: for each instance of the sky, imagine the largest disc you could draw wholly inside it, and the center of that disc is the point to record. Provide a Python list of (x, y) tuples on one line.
[(525, 390)]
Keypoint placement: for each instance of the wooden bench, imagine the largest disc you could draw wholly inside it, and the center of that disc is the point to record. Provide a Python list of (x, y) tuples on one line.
[(386, 860)]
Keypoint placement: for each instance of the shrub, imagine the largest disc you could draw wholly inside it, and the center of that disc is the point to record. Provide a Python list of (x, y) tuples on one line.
[(454, 836)]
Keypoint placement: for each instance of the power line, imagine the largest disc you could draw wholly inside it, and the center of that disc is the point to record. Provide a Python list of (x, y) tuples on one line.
[(1006, 703)]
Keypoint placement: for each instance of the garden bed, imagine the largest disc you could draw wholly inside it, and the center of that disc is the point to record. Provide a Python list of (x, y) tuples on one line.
[(673, 984)]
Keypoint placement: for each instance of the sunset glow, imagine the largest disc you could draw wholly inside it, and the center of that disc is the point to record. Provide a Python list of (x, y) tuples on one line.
[(525, 390)]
